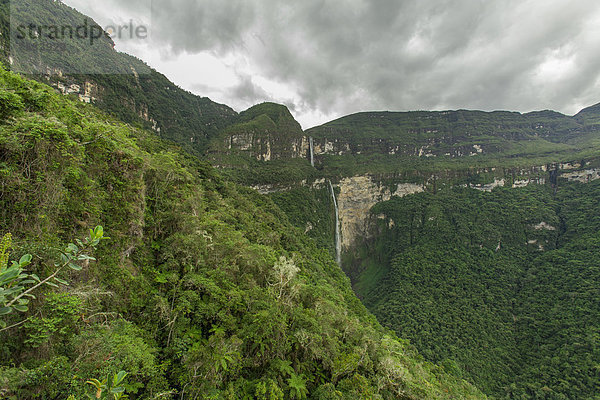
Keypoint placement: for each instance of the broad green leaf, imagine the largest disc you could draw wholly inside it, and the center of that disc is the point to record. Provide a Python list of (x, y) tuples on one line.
[(9, 275), (61, 281), (20, 307), (75, 267), (13, 290), (118, 378), (25, 260)]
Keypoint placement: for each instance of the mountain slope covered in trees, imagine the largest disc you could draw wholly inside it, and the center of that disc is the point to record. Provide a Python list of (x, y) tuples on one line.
[(132, 91), (204, 290), (502, 285), (421, 142)]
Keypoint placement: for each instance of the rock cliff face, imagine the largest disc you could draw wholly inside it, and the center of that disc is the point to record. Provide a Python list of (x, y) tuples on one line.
[(441, 146), (370, 157), (357, 195), (584, 176), (266, 146), (87, 92), (441, 134), (265, 132)]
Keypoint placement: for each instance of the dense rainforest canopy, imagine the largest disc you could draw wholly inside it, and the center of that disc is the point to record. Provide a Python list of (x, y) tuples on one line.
[(502, 286)]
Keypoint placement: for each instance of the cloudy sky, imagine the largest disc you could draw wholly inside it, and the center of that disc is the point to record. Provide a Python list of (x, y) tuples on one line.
[(329, 58)]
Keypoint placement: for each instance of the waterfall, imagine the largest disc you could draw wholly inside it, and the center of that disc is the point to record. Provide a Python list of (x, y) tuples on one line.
[(338, 243), (312, 151)]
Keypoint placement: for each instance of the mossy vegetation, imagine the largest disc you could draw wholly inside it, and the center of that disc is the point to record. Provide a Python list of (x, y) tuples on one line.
[(313, 208)]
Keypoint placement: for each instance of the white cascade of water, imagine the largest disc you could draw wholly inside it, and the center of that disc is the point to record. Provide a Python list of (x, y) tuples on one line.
[(312, 151), (338, 243)]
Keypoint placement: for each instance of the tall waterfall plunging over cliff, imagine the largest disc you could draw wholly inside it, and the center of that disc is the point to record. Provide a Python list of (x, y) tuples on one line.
[(312, 151), (338, 242)]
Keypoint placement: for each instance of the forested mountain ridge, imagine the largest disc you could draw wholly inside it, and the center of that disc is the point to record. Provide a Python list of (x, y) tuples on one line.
[(268, 131), (137, 94), (416, 145), (204, 290), (396, 142)]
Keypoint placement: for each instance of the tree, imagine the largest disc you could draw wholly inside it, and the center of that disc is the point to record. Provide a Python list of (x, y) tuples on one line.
[(284, 271)]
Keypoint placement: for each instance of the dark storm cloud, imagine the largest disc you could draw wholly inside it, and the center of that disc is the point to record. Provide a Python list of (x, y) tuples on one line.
[(248, 92), (195, 26), (344, 56)]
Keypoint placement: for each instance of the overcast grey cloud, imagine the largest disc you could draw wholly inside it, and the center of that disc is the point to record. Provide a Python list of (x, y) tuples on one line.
[(327, 58)]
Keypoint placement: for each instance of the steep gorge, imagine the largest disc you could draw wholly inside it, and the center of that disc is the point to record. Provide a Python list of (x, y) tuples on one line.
[(370, 157), (459, 268)]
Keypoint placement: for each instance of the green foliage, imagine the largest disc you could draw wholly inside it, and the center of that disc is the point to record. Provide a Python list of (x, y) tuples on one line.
[(277, 113), (297, 384), (5, 246), (479, 284), (205, 290), (10, 104), (16, 286), (311, 210), (281, 173), (154, 102), (109, 388), (12, 287), (268, 390), (56, 322)]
